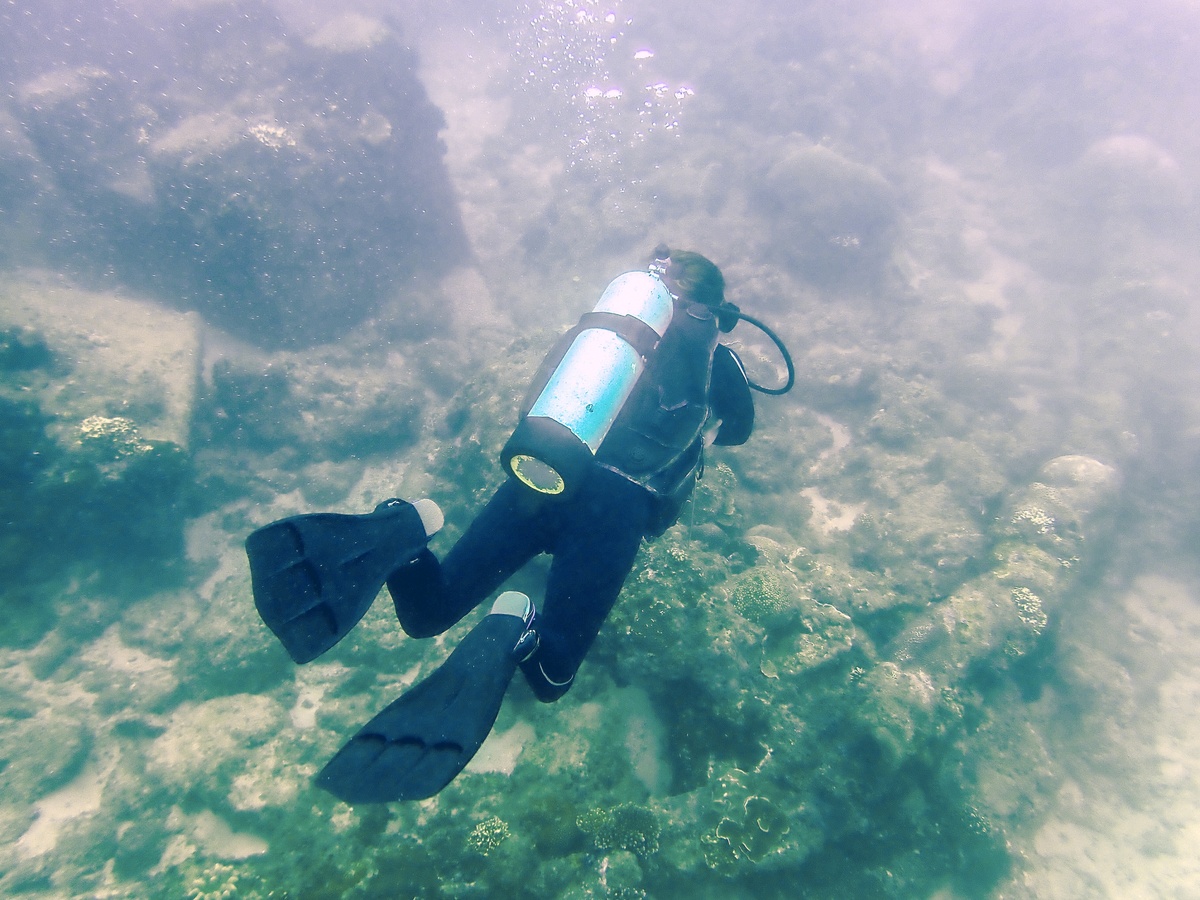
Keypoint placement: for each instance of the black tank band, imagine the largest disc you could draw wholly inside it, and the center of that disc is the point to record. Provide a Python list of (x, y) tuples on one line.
[(640, 336)]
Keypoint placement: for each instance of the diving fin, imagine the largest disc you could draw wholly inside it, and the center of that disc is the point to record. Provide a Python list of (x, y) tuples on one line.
[(314, 576), (419, 743)]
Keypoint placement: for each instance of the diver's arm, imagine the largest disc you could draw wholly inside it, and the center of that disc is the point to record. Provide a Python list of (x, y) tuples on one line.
[(730, 401), (711, 429)]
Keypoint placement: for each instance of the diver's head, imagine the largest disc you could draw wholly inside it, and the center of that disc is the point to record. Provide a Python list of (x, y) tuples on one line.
[(692, 276), (696, 279)]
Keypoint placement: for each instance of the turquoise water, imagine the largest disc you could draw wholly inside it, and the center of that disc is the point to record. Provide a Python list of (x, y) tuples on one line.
[(933, 632)]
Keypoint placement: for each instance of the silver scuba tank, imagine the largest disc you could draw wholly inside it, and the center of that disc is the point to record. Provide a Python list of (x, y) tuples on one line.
[(556, 441)]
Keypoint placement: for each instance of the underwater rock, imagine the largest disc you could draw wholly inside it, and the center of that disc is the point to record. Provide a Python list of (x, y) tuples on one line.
[(282, 188), (621, 876), (908, 408), (795, 632), (87, 353), (22, 349), (205, 744), (476, 423), (227, 648), (916, 543), (96, 408), (274, 776), (140, 848), (713, 508), (126, 680), (323, 405), (1061, 504), (896, 708), (1124, 182), (14, 821), (835, 219), (662, 617), (774, 467), (821, 634), (40, 754), (836, 378), (1011, 768), (925, 487), (922, 707), (1001, 614)]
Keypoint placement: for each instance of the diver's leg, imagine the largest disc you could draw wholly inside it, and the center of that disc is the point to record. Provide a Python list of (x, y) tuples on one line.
[(594, 549), (430, 596)]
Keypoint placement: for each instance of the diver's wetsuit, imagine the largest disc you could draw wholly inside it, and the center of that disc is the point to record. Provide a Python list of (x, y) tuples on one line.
[(645, 470)]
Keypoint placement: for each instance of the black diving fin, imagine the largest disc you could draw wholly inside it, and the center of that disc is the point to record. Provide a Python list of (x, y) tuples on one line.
[(420, 742), (315, 576)]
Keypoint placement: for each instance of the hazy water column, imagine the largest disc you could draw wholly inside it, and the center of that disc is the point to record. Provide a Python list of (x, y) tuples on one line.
[(588, 84)]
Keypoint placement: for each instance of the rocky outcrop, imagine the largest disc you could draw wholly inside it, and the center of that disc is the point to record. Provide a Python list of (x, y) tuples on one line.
[(97, 393), (281, 187)]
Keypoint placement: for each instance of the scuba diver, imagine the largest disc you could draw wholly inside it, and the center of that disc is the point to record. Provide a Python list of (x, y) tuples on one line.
[(608, 447)]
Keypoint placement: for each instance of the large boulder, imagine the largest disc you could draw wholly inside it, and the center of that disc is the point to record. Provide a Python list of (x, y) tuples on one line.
[(832, 218), (282, 187)]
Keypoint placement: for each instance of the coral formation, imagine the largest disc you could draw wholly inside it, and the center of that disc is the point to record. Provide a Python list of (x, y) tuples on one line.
[(626, 826), (488, 835), (758, 834), (112, 435), (758, 595), (744, 830), (216, 882)]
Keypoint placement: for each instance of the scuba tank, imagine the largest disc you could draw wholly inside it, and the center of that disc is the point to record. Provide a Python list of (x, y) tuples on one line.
[(556, 441)]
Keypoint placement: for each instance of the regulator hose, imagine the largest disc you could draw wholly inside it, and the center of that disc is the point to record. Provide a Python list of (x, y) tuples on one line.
[(787, 357)]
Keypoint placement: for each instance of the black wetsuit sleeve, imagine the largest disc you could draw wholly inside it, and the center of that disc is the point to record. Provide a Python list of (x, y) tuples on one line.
[(730, 398)]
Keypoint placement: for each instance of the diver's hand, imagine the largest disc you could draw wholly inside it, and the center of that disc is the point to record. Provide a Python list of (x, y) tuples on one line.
[(711, 430)]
